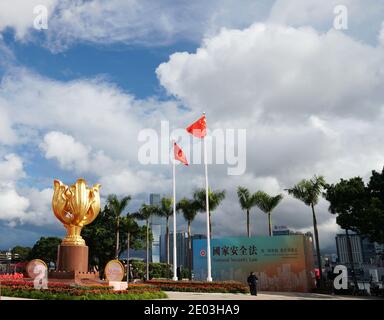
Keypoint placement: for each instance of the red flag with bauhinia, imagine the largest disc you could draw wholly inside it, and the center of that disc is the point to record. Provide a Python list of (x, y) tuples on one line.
[(198, 128), (179, 154)]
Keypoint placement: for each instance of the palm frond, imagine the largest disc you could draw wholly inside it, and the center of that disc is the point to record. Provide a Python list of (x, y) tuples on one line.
[(188, 207), (265, 202), (308, 191)]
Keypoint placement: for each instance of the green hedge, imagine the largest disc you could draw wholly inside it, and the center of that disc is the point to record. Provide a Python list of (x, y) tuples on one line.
[(156, 269), (41, 294), (200, 286)]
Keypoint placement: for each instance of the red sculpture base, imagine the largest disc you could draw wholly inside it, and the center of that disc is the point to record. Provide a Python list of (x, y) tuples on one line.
[(72, 259)]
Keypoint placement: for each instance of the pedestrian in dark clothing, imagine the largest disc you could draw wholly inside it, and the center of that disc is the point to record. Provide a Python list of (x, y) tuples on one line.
[(178, 273), (252, 282)]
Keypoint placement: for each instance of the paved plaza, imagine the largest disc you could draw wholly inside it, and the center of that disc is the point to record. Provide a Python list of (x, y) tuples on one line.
[(172, 295), (260, 296)]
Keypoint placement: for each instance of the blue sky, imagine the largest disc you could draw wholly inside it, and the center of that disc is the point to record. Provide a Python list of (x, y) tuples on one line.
[(130, 67), (74, 98)]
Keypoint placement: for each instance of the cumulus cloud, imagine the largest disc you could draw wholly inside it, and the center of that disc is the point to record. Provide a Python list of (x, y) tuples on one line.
[(308, 100), (263, 66), (321, 15), (311, 102), (381, 35), (119, 21), (69, 153), (115, 176), (163, 22), (11, 169), (17, 205), (19, 15), (12, 204)]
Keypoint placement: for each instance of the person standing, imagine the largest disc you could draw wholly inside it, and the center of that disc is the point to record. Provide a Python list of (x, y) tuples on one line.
[(252, 282), (178, 272)]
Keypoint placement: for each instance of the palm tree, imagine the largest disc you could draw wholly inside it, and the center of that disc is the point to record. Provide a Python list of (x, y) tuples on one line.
[(267, 203), (215, 198), (145, 213), (117, 207), (131, 227), (189, 209), (309, 191), (247, 201), (165, 210)]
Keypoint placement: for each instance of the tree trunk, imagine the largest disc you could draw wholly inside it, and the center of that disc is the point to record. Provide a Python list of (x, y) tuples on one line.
[(147, 247), (189, 250), (317, 245), (349, 246), (248, 231), (167, 236), (128, 245), (269, 224), (117, 237)]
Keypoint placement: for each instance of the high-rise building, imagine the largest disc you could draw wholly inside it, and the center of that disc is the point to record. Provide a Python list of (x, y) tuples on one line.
[(154, 199), (156, 225), (284, 231), (281, 231), (181, 248), (363, 251)]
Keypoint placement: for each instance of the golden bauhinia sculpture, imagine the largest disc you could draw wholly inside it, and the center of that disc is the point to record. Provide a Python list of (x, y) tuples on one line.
[(75, 206)]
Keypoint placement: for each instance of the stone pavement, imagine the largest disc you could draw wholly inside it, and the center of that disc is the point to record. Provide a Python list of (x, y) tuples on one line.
[(260, 296), (172, 295), (12, 298)]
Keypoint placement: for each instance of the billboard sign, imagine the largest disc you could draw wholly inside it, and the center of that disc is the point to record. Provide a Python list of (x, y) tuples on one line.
[(282, 263)]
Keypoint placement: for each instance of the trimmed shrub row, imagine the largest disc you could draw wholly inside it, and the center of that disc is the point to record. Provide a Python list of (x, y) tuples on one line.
[(200, 286), (64, 291)]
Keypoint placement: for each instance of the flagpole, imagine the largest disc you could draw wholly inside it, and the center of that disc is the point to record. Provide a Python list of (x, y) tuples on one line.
[(174, 221), (209, 276)]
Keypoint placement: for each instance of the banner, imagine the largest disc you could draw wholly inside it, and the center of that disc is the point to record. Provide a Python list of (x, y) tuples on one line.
[(282, 263)]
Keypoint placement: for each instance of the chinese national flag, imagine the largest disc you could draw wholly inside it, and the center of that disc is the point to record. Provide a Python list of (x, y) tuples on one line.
[(198, 128), (179, 154)]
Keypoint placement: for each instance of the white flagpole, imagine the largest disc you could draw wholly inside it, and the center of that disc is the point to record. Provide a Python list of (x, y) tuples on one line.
[(209, 276), (174, 220)]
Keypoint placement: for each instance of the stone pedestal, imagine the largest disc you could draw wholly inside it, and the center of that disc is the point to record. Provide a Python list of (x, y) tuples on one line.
[(72, 258)]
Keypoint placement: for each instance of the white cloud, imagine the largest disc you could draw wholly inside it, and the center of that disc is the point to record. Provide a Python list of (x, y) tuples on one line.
[(364, 16), (39, 212), (121, 21), (7, 135), (147, 22), (21, 205), (381, 35), (114, 175), (12, 204), (163, 22), (19, 15), (66, 150), (11, 169), (277, 71), (310, 102)]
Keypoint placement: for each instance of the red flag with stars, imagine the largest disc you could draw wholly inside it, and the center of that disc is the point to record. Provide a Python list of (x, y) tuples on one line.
[(179, 154), (198, 128)]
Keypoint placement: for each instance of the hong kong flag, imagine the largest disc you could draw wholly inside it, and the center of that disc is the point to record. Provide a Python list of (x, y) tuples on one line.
[(198, 128), (179, 154)]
